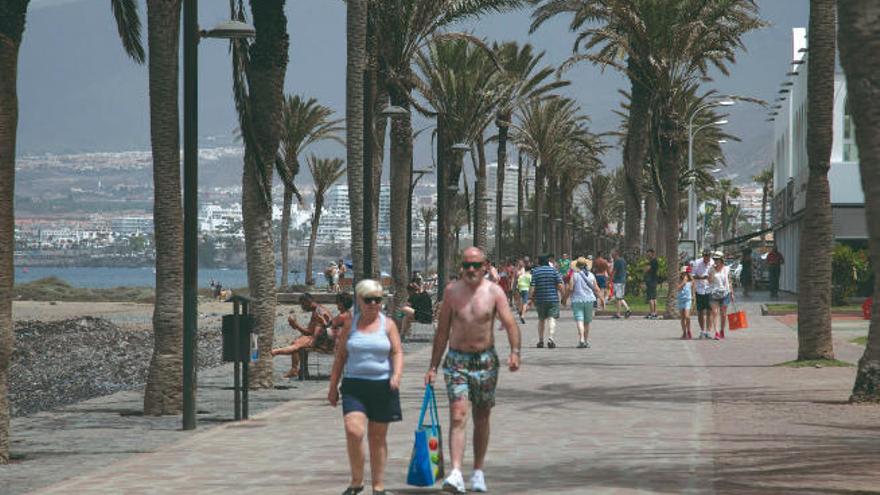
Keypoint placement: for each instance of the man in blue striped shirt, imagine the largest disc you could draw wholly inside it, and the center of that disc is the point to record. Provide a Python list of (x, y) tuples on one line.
[(544, 294)]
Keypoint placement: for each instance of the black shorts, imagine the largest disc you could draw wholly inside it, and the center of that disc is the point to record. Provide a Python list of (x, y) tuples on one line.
[(371, 397), (651, 290), (703, 302)]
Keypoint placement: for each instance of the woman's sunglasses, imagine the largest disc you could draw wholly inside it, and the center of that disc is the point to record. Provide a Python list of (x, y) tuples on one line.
[(476, 265), (373, 300)]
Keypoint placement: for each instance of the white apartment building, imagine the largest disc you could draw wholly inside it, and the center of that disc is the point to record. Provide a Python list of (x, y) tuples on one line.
[(132, 225), (508, 208), (215, 218), (335, 226), (791, 170), (749, 202)]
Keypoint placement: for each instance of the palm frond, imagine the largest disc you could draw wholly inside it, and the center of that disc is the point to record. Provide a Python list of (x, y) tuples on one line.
[(128, 25)]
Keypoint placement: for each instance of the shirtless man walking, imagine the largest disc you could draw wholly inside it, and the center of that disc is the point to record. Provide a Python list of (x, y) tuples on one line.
[(470, 305)]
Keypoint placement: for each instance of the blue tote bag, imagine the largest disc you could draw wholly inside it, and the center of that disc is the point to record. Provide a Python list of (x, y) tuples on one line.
[(426, 462)]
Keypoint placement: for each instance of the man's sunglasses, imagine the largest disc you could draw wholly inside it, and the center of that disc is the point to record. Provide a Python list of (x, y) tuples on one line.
[(476, 265), (373, 300)]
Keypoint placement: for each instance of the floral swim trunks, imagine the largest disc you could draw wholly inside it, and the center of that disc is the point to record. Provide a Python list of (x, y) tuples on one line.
[(472, 376)]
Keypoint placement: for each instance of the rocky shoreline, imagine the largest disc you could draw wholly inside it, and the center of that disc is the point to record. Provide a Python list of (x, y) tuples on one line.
[(62, 362)]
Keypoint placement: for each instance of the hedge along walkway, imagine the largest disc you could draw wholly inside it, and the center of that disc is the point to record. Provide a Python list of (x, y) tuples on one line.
[(640, 412)]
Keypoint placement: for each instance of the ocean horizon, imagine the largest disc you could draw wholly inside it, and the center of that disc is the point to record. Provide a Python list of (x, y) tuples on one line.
[(109, 277)]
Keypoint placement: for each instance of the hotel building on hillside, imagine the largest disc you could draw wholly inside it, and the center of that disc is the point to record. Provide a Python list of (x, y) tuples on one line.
[(791, 170)]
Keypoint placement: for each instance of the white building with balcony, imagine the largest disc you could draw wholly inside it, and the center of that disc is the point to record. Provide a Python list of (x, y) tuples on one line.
[(791, 170)]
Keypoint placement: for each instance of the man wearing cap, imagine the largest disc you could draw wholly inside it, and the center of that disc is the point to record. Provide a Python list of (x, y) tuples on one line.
[(700, 271)]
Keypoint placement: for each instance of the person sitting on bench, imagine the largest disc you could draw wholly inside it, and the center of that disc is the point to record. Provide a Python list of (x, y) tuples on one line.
[(313, 335), (418, 307), (344, 302)]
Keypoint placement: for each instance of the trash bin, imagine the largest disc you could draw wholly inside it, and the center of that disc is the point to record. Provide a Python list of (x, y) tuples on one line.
[(866, 308), (241, 350), (246, 324)]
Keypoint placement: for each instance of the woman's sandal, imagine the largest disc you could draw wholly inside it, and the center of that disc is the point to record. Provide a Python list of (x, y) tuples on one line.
[(353, 490)]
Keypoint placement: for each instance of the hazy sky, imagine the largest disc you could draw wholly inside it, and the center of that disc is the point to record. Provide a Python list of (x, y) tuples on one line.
[(107, 94)]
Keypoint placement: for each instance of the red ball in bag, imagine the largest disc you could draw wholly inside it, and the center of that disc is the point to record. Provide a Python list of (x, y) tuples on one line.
[(433, 444)]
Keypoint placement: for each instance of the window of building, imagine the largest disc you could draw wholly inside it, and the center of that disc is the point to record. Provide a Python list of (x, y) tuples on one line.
[(850, 150)]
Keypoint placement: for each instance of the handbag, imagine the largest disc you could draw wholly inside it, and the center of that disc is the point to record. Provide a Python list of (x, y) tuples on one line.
[(737, 320), (426, 461), (718, 294)]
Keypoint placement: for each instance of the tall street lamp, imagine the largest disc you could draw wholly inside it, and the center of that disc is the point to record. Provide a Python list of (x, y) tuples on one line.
[(370, 230), (413, 181), (692, 191), (227, 30)]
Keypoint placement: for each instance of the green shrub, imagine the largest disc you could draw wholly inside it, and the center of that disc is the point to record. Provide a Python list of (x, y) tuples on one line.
[(849, 269)]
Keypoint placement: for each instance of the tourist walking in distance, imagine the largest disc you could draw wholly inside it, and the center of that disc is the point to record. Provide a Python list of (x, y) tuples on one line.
[(700, 272), (369, 360), (600, 270), (470, 306), (685, 290), (775, 260), (652, 278), (523, 283), (544, 294), (583, 289), (720, 292), (618, 278)]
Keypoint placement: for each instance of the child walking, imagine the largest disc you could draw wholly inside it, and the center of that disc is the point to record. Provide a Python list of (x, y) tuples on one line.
[(685, 298)]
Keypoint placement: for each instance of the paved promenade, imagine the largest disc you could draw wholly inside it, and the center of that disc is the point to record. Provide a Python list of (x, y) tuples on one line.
[(640, 412)]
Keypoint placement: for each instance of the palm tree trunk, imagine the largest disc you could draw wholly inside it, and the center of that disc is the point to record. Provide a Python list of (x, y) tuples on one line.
[(377, 162), (445, 235), (10, 39), (427, 244), (538, 226), (356, 35), (285, 235), (481, 224), (370, 190), (814, 271), (670, 172), (634, 151), (859, 37), (164, 389), (401, 176), (765, 193), (499, 184), (520, 203), (650, 221), (268, 65), (313, 236)]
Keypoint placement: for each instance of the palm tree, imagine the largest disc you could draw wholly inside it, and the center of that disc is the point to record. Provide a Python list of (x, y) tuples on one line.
[(632, 36), (356, 36), (814, 272), (11, 32), (521, 82), (163, 391), (765, 179), (403, 27), (455, 77), (546, 131), (598, 194), (303, 122), (426, 216), (325, 172), (258, 86), (858, 35), (13, 15)]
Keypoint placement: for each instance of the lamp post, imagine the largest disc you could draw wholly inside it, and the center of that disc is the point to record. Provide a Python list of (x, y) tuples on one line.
[(191, 35), (692, 192), (413, 180), (370, 230)]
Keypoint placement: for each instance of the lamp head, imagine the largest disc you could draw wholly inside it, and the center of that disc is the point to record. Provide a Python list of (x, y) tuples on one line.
[(230, 30)]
